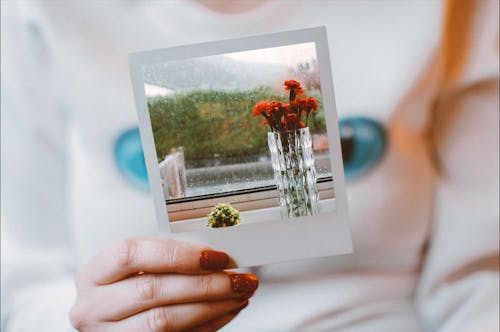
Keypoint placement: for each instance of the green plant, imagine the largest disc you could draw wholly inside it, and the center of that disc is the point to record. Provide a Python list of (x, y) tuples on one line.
[(214, 122), (223, 215)]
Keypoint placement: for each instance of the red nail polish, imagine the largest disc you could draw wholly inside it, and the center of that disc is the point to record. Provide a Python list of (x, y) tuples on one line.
[(213, 260), (246, 295), (243, 283), (237, 310)]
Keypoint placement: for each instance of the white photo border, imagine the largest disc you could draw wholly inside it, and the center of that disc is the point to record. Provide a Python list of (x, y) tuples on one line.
[(260, 243)]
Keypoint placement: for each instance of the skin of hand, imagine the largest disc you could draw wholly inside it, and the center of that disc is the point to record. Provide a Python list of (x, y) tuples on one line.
[(156, 284)]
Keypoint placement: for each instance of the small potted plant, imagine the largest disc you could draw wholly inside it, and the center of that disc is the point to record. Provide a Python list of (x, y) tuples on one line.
[(223, 215)]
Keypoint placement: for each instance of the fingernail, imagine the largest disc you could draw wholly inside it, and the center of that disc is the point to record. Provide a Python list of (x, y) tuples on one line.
[(237, 310), (244, 283), (213, 260)]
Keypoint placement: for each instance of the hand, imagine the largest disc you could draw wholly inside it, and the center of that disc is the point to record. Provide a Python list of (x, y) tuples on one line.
[(154, 284)]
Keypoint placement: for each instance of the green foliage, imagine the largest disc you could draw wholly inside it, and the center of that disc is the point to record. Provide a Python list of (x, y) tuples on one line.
[(209, 123), (223, 215)]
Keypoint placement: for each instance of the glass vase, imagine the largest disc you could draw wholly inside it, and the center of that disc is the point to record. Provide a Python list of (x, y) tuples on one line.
[(292, 159)]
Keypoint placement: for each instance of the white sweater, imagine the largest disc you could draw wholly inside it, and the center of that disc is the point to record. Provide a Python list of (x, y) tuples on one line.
[(424, 221)]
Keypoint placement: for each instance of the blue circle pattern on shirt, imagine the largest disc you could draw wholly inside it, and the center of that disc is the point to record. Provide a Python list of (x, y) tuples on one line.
[(363, 145), (129, 158)]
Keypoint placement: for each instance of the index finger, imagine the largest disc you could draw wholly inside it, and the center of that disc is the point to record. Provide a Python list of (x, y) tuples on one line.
[(151, 255)]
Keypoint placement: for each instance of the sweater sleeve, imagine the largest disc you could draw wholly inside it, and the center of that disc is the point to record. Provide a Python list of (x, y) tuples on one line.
[(35, 230), (459, 286)]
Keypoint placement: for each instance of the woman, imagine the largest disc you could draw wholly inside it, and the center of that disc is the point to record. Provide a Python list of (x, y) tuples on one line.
[(424, 218)]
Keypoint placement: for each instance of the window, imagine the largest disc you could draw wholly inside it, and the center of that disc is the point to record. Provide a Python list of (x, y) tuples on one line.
[(209, 145)]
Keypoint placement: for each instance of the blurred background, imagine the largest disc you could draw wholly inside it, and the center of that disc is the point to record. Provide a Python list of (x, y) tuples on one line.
[(416, 88)]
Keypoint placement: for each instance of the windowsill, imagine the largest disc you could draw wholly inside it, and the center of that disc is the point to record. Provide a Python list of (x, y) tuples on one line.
[(247, 217), (244, 200)]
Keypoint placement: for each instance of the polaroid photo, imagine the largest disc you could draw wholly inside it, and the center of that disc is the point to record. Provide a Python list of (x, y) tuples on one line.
[(242, 147)]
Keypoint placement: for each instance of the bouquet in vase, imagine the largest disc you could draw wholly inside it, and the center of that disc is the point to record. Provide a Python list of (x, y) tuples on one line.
[(290, 147)]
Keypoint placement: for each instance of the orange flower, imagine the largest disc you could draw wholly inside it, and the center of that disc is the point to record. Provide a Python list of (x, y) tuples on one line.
[(291, 118), (274, 106), (292, 121), (293, 85), (306, 105), (300, 103), (312, 104), (281, 116), (260, 107)]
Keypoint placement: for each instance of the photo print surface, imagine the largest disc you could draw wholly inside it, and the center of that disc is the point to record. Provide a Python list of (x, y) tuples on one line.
[(239, 136), (242, 148)]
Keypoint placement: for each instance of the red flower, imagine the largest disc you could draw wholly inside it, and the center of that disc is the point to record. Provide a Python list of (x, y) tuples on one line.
[(292, 121), (274, 106), (312, 104), (287, 116), (292, 84), (306, 105), (291, 118), (300, 104), (260, 107)]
